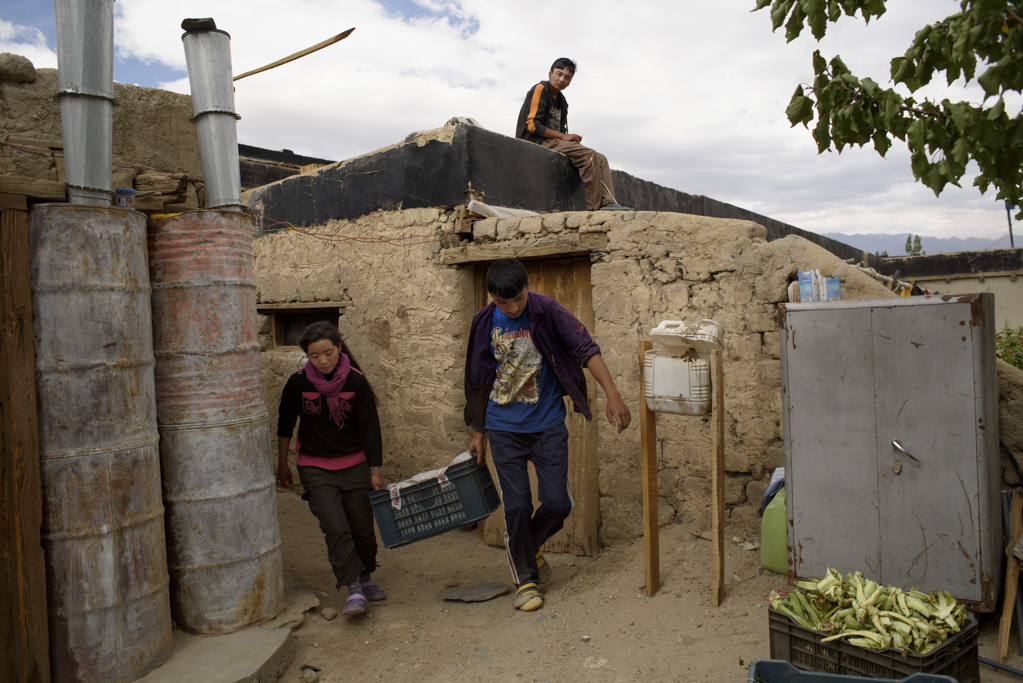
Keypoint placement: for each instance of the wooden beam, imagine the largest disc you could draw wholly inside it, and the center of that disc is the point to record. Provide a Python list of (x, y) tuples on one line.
[(303, 305), (47, 190), (648, 482), (554, 246), (717, 478), (13, 201), (1011, 577), (301, 53), (24, 637)]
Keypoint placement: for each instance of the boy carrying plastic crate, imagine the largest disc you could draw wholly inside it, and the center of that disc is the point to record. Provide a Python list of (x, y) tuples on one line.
[(525, 352)]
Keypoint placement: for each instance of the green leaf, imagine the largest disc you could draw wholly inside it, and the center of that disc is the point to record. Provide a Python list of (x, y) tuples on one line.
[(761, 4), (822, 134), (916, 135), (820, 65), (800, 109), (996, 111), (990, 81), (881, 142), (961, 114)]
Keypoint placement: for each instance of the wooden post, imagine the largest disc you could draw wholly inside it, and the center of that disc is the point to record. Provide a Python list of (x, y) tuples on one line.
[(24, 639), (717, 477), (1011, 577), (648, 444)]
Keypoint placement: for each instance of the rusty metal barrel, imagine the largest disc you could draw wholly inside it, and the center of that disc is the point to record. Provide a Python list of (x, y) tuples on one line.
[(223, 542), (103, 523)]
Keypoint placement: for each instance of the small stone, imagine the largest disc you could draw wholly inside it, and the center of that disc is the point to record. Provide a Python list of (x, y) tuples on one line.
[(451, 584), (328, 613), (369, 615), (310, 676), (736, 539), (586, 639)]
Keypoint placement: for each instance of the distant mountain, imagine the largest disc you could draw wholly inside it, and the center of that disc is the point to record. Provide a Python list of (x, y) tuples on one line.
[(895, 245)]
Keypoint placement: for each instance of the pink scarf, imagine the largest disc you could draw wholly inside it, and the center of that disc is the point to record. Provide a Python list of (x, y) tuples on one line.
[(330, 388)]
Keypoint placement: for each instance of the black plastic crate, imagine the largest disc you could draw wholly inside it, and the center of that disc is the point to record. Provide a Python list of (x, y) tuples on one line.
[(956, 657), (777, 671), (430, 508)]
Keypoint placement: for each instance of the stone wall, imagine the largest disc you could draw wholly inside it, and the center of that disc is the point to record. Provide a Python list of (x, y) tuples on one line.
[(406, 324), (409, 318)]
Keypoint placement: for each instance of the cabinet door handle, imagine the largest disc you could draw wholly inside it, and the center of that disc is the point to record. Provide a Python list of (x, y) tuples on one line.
[(899, 448)]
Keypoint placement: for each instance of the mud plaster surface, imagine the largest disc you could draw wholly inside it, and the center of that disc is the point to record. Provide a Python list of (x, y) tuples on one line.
[(151, 127)]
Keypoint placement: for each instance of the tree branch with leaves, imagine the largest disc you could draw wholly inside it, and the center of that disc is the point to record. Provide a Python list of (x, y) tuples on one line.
[(942, 137)]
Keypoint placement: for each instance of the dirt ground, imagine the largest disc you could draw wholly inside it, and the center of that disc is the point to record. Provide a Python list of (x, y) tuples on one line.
[(414, 635)]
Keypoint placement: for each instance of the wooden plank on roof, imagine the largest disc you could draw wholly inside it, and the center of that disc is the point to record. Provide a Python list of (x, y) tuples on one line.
[(303, 305), (555, 246), (32, 188)]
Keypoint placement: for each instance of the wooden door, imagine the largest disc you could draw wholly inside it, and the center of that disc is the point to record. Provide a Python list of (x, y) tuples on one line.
[(568, 281)]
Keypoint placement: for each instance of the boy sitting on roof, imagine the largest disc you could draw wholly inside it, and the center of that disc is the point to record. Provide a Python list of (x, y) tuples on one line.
[(543, 119)]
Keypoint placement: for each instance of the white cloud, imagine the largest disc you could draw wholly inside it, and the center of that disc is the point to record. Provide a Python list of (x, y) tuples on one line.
[(27, 41), (689, 94)]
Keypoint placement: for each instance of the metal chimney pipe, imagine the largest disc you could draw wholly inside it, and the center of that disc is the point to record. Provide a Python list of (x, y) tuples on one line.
[(208, 58), (85, 82)]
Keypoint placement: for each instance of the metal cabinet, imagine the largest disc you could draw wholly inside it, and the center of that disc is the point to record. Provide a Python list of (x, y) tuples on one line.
[(860, 379)]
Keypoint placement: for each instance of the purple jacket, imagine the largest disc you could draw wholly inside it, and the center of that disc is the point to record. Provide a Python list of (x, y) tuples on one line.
[(559, 337)]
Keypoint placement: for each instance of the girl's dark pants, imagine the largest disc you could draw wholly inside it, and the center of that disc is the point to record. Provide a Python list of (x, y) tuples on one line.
[(526, 531), (340, 500)]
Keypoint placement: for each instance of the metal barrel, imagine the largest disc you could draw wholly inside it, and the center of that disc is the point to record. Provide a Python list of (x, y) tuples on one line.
[(85, 81), (103, 521), (223, 542), (210, 80)]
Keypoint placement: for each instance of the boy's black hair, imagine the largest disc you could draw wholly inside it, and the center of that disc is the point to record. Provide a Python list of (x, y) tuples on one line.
[(324, 330), (563, 63), (506, 278)]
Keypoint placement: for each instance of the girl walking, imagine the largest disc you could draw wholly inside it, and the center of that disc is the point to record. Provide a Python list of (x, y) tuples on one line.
[(339, 456)]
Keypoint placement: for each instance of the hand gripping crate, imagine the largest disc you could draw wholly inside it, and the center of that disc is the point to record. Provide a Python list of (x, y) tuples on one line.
[(464, 494), (956, 657), (777, 671)]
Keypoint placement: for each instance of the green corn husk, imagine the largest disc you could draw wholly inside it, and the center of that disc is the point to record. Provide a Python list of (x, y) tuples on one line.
[(870, 615)]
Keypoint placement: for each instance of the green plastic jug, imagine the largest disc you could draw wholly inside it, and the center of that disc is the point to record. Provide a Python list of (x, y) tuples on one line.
[(773, 545)]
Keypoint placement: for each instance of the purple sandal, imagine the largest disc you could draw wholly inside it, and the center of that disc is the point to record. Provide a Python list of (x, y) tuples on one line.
[(355, 606), (373, 591)]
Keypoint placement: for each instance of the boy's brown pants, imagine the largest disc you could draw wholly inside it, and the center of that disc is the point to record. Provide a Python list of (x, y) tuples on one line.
[(593, 169)]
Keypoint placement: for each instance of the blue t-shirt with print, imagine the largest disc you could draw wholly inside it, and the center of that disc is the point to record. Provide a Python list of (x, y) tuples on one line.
[(526, 396)]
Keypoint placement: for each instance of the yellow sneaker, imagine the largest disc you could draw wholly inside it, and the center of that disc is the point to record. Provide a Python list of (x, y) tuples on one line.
[(527, 598), (543, 567)]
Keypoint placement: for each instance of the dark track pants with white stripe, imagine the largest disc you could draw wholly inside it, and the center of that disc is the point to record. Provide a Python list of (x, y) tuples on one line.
[(526, 531)]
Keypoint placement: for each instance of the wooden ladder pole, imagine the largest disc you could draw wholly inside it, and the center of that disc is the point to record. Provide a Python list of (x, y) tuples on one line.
[(717, 477), (1011, 577), (24, 635), (648, 445)]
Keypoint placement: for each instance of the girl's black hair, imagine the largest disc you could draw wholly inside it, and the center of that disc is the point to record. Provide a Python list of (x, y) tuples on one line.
[(563, 63), (506, 278), (325, 330)]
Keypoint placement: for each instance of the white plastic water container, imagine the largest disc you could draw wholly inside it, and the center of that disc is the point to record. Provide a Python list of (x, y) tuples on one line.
[(676, 385), (676, 372)]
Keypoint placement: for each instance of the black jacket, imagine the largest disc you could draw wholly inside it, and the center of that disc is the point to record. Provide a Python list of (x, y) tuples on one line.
[(537, 111), (319, 435)]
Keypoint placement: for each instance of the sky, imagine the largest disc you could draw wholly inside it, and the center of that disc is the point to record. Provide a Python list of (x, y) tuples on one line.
[(689, 94)]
